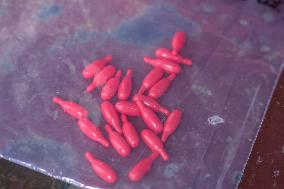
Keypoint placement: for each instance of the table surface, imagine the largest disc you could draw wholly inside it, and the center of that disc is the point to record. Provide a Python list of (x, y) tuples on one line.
[(265, 168)]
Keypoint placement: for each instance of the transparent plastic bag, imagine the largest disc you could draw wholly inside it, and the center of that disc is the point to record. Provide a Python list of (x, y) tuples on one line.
[(237, 57)]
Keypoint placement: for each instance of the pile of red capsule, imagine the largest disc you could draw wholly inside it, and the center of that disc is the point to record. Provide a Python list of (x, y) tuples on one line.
[(122, 134)]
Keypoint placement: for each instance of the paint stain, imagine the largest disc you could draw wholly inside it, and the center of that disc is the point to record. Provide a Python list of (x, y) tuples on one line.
[(264, 48), (155, 24), (2, 12), (215, 120), (259, 160), (202, 90), (6, 64), (208, 8), (43, 151), (237, 177), (268, 17), (276, 173), (49, 11), (20, 91), (171, 170), (243, 22)]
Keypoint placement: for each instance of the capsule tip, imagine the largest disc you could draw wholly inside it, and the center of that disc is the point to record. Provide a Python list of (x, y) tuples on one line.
[(56, 100), (164, 155), (89, 156), (108, 58), (105, 143)]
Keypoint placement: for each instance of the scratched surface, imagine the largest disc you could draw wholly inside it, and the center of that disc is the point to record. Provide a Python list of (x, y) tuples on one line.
[(237, 49)]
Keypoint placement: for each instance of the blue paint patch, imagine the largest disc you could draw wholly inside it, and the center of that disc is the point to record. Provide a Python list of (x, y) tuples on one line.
[(79, 36), (2, 12), (237, 178), (84, 36), (156, 23), (49, 11), (6, 65), (171, 170), (43, 151)]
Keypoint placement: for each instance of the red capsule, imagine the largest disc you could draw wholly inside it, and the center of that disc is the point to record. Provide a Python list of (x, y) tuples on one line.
[(125, 86), (150, 118), (111, 116), (127, 108), (129, 132), (165, 53), (142, 167), (166, 65), (102, 77), (118, 142), (150, 79), (110, 88), (92, 131), (154, 143), (102, 169), (178, 42), (72, 108), (161, 86), (92, 69), (171, 124), (151, 103)]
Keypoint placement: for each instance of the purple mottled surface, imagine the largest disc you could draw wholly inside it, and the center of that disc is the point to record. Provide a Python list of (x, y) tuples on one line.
[(237, 50)]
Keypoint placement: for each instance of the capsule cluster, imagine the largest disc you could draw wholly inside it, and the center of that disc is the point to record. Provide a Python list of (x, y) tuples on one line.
[(122, 134)]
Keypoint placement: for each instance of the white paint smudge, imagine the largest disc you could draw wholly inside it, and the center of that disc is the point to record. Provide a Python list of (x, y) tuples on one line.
[(264, 48), (207, 175), (55, 115), (243, 22), (215, 120), (259, 160), (208, 8), (276, 173), (20, 90), (229, 139), (201, 90)]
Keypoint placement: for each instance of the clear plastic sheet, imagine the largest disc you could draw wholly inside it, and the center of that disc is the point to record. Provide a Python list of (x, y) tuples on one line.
[(237, 52)]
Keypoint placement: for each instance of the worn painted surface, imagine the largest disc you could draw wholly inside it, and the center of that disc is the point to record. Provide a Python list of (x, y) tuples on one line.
[(45, 44), (265, 168)]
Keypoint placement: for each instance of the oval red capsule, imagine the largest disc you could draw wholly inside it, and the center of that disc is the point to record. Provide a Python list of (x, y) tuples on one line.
[(118, 142), (111, 116), (127, 108), (166, 65), (171, 124), (125, 86), (161, 86), (110, 88), (154, 143), (72, 108), (151, 103), (102, 169), (102, 77), (92, 69), (165, 53), (142, 167), (92, 131), (178, 42), (150, 79), (129, 132), (150, 118)]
